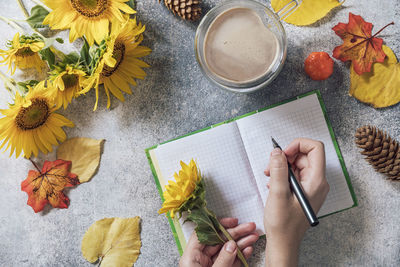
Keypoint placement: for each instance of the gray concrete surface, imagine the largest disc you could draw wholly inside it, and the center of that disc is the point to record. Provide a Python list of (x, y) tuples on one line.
[(176, 99)]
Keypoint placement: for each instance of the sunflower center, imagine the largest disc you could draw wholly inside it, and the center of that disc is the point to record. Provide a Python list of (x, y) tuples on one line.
[(89, 8), (33, 116), (118, 54), (70, 80), (24, 52)]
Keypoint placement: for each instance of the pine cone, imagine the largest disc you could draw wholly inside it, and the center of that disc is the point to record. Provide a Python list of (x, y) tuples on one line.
[(381, 151), (186, 9)]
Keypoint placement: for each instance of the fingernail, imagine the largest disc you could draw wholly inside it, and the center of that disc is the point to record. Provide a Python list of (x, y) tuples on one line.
[(276, 152), (230, 246)]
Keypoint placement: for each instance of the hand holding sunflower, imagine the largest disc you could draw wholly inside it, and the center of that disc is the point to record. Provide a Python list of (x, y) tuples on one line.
[(187, 195)]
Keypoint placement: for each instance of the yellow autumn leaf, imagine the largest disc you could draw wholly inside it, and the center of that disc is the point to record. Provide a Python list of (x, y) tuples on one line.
[(113, 241), (308, 12), (84, 154), (381, 86)]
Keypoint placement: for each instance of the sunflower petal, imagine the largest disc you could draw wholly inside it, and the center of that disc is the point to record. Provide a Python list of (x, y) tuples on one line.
[(114, 90), (124, 7)]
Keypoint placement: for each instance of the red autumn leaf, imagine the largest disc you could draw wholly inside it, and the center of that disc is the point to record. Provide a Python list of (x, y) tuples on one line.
[(47, 186), (359, 45)]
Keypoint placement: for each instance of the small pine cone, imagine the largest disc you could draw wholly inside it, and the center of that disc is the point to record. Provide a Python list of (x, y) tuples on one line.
[(186, 9), (380, 150)]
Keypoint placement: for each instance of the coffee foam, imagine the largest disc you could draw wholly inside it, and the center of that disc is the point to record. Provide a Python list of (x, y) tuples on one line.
[(238, 46)]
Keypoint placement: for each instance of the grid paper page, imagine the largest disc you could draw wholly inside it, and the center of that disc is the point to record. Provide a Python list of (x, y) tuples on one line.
[(300, 118), (231, 190)]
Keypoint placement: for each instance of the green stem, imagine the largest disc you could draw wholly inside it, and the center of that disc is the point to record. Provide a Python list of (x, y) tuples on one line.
[(211, 215), (41, 35), (229, 237), (240, 254), (22, 6), (12, 24), (57, 52), (18, 20), (9, 84)]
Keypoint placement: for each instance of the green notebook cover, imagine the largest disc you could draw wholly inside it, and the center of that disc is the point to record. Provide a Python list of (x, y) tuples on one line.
[(175, 227)]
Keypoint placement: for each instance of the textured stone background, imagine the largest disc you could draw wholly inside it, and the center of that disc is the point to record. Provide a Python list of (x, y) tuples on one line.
[(176, 99)]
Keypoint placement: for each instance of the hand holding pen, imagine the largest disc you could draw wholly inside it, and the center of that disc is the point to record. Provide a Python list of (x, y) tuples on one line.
[(298, 191), (284, 219)]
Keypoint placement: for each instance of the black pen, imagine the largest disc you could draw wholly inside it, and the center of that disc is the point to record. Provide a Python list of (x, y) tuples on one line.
[(299, 193)]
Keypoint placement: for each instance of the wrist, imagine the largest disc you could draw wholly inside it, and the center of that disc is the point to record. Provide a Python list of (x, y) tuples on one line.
[(282, 252)]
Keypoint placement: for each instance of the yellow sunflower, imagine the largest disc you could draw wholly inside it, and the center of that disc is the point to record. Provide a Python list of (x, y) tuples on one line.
[(119, 66), (66, 82), (23, 53), (89, 18), (182, 189), (30, 124)]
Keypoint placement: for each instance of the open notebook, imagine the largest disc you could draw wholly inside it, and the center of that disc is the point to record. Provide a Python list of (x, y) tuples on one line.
[(233, 155)]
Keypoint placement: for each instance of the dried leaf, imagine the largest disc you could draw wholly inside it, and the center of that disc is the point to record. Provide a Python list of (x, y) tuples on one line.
[(47, 186), (84, 154), (308, 12), (359, 45), (113, 241), (381, 86)]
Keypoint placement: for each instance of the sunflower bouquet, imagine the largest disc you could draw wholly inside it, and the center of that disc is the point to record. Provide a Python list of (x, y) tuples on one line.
[(109, 59), (187, 195)]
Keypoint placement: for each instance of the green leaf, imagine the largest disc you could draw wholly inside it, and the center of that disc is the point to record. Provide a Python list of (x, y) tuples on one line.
[(207, 226), (49, 56), (196, 200), (85, 56), (38, 13), (23, 86), (132, 4), (71, 58), (60, 40)]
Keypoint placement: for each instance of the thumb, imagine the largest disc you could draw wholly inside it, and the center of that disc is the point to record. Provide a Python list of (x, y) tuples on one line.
[(227, 255), (279, 173)]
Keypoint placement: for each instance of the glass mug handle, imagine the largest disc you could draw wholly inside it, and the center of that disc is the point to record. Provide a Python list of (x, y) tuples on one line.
[(290, 7)]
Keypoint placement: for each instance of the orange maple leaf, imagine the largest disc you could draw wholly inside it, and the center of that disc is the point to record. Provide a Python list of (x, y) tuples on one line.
[(47, 186), (359, 45)]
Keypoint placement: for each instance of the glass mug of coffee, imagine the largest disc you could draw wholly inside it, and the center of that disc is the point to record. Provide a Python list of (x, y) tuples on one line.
[(241, 45)]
